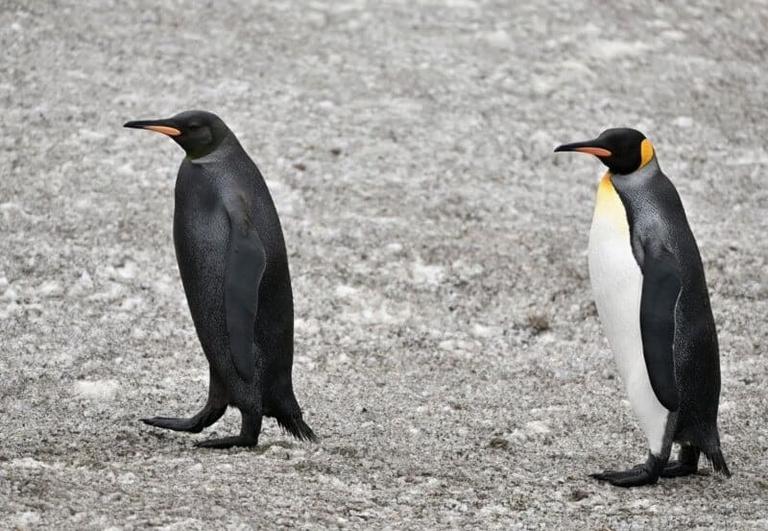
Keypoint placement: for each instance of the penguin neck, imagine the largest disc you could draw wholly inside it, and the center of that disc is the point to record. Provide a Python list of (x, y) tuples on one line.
[(220, 152), (648, 169), (609, 205)]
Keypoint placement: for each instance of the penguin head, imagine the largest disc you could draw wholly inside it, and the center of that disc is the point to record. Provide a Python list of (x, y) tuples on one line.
[(197, 132), (623, 150)]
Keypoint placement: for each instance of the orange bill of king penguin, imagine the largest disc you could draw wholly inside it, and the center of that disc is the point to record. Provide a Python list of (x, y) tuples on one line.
[(651, 295), (234, 268)]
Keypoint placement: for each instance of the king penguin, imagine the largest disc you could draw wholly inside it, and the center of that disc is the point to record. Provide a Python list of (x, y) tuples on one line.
[(234, 268), (651, 295)]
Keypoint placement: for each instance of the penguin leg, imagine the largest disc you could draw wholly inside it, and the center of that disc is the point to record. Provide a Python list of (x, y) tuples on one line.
[(213, 410), (249, 434), (687, 463), (245, 396)]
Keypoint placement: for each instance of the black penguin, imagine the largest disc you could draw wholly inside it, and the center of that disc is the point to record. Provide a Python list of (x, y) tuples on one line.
[(233, 264), (651, 295)]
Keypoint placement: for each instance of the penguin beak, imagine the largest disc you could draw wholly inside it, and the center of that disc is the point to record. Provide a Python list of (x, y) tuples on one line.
[(590, 146), (165, 127)]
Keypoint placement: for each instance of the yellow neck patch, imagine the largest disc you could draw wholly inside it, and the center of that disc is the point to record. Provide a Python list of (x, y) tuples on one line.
[(646, 152), (608, 205)]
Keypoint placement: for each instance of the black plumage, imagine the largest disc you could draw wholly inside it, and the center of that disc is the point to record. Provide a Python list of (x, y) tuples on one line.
[(679, 335), (234, 268)]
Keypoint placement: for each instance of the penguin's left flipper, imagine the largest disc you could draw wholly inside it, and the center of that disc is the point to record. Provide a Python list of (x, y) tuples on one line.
[(661, 289), (246, 261)]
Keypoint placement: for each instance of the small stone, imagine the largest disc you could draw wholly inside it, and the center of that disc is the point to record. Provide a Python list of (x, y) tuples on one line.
[(578, 495), (499, 443)]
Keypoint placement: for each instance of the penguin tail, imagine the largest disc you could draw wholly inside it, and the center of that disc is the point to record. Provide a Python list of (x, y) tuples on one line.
[(296, 426), (715, 456)]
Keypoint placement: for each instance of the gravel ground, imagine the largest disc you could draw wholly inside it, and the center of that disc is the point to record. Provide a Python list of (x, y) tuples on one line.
[(448, 350)]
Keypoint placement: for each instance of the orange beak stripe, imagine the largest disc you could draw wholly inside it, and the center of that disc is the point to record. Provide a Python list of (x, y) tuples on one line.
[(598, 152), (170, 131)]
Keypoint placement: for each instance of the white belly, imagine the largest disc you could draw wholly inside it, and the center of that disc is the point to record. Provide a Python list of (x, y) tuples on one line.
[(617, 286)]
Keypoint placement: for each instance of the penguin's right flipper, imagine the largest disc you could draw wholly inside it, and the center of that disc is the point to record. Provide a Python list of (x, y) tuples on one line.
[(246, 261), (661, 289)]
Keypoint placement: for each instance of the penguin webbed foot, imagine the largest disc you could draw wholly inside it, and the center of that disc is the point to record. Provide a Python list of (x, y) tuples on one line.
[(676, 469), (634, 477), (229, 442), (196, 424), (686, 464), (191, 425), (249, 435), (643, 474)]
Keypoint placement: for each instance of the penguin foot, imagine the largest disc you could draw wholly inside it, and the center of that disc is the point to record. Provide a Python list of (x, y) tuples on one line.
[(192, 425), (249, 434), (634, 477), (687, 463), (229, 442), (209, 414), (676, 469), (643, 474)]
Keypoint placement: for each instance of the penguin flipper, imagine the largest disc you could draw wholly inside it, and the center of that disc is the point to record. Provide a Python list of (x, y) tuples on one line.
[(246, 261), (661, 289)]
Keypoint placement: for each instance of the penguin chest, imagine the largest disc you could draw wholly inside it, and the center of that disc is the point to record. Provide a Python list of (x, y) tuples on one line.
[(617, 287), (200, 219), (201, 234), (615, 276)]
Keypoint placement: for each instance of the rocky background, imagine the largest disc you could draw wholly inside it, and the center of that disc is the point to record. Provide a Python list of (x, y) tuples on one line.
[(448, 352)]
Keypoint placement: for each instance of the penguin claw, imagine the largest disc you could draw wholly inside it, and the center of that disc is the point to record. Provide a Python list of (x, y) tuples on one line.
[(228, 442), (175, 424)]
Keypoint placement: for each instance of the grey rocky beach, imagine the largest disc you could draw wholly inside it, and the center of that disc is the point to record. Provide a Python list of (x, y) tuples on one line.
[(448, 350)]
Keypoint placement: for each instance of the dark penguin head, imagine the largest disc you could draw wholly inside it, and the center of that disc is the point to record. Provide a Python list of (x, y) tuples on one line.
[(623, 150), (197, 132)]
